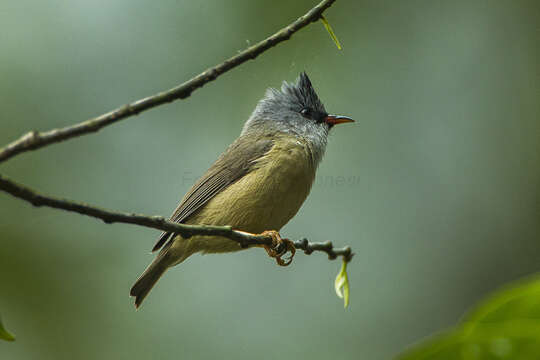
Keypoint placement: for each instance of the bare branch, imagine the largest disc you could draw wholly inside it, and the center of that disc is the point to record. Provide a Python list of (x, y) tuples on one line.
[(327, 247), (35, 140), (160, 223)]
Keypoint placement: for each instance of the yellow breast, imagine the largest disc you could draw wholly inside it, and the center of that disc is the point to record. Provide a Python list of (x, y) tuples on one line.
[(264, 199)]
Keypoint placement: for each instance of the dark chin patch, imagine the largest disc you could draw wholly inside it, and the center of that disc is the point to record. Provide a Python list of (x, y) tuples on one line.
[(321, 117)]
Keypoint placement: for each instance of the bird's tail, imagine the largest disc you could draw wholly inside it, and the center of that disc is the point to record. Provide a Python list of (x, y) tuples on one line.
[(148, 279), (173, 253)]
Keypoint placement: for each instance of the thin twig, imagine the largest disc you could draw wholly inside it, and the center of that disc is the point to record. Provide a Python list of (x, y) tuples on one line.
[(35, 140), (327, 247), (160, 223)]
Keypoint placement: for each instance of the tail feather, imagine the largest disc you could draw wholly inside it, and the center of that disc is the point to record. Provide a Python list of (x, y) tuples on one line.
[(173, 253), (147, 280)]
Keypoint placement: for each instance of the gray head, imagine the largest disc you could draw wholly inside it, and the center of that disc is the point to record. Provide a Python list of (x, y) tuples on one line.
[(295, 109)]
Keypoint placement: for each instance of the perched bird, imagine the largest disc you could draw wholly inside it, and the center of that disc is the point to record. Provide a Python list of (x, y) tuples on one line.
[(257, 185)]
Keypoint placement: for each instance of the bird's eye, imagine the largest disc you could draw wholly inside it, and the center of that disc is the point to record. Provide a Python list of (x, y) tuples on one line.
[(305, 112)]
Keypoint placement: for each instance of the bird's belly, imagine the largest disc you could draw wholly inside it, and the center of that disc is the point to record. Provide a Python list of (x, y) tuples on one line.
[(265, 199)]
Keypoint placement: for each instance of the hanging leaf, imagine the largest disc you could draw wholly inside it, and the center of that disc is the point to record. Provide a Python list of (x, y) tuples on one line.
[(331, 32), (341, 284)]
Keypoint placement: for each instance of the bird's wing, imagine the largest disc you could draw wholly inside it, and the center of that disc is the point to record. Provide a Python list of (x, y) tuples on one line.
[(233, 164)]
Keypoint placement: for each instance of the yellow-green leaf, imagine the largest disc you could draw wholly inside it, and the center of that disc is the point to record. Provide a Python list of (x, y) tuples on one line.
[(330, 31), (341, 284)]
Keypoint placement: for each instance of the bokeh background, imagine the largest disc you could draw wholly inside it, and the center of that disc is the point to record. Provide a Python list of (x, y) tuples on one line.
[(435, 186)]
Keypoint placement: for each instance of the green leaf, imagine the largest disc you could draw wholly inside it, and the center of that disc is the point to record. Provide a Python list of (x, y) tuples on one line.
[(342, 283), (518, 300), (506, 325), (4, 334), (503, 340), (331, 32)]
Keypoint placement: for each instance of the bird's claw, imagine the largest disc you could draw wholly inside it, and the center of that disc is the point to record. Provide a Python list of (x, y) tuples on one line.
[(279, 248)]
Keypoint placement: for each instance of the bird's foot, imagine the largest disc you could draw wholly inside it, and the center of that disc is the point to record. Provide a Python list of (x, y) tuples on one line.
[(279, 248)]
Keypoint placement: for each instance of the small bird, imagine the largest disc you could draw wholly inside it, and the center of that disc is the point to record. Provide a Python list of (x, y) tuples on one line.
[(257, 185)]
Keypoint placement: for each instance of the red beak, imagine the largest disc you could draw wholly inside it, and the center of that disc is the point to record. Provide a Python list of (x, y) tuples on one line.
[(337, 119)]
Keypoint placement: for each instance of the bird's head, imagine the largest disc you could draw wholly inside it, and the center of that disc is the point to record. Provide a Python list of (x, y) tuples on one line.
[(294, 109)]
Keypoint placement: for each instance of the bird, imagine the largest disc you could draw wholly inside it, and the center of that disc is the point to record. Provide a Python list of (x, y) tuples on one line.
[(256, 185)]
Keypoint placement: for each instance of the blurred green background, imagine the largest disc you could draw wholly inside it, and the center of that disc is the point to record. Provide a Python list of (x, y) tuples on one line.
[(436, 186)]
